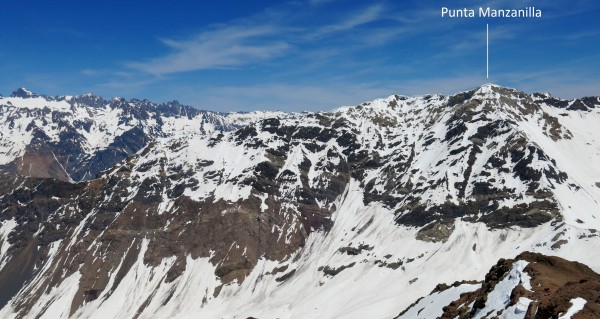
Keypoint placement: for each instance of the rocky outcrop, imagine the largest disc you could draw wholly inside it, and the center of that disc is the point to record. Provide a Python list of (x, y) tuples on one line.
[(547, 287)]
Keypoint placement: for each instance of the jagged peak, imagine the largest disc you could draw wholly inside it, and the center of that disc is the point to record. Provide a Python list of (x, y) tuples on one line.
[(88, 95), (488, 87), (23, 93), (489, 90)]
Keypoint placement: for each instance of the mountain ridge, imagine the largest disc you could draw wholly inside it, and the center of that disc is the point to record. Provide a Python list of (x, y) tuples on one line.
[(311, 215), (529, 286), (76, 137)]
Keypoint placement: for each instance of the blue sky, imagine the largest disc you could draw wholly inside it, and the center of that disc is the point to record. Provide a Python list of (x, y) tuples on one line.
[(292, 55)]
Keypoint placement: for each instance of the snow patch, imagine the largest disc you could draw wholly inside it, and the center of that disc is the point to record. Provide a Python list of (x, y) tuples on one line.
[(499, 298), (577, 305), (5, 229), (432, 305)]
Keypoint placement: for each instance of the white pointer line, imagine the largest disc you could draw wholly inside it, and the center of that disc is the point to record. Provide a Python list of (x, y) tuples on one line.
[(487, 51)]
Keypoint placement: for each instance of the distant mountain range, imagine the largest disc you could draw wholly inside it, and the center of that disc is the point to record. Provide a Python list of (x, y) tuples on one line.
[(73, 138), (413, 207)]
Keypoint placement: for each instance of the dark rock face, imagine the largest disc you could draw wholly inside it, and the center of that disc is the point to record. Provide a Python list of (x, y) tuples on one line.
[(474, 195), (437, 231), (241, 195), (121, 210), (46, 198), (460, 98), (334, 271), (23, 93)]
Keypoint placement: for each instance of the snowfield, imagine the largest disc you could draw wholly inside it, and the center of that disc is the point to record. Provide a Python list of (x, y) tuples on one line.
[(361, 211)]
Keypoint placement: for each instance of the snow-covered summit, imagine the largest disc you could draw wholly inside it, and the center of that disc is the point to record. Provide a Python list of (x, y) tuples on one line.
[(352, 213), (22, 93)]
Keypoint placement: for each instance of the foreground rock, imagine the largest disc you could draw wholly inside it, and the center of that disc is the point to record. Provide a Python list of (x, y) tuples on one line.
[(529, 286)]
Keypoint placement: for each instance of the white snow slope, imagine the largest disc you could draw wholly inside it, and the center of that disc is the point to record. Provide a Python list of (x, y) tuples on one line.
[(397, 268), (87, 124)]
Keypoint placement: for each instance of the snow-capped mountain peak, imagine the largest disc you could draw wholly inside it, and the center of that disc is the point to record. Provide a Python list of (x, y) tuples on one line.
[(75, 137), (352, 213), (22, 93)]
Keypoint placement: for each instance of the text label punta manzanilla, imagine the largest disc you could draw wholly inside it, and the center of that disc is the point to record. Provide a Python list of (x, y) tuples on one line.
[(487, 12)]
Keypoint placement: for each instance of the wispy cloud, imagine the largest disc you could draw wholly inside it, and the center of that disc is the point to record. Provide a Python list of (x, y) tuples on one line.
[(262, 38), (567, 80), (93, 72), (221, 47), (307, 62), (352, 21), (473, 39), (571, 37)]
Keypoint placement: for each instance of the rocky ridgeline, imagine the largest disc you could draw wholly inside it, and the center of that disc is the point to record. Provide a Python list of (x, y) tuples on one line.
[(240, 197), (531, 286), (73, 138)]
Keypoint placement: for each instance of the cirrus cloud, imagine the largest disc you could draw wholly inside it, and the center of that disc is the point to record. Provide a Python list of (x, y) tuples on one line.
[(222, 47)]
